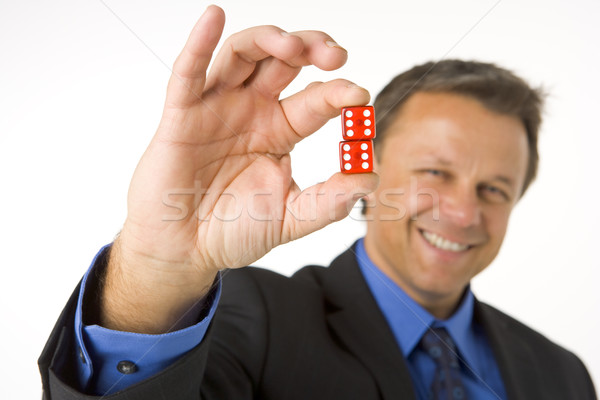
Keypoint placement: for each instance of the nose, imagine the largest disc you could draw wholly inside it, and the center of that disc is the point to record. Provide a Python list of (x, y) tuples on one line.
[(461, 206)]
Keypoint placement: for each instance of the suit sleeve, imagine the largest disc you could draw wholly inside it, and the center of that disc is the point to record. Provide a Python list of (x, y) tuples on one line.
[(234, 359)]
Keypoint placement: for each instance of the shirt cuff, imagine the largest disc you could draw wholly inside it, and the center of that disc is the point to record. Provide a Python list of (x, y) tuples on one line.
[(111, 360)]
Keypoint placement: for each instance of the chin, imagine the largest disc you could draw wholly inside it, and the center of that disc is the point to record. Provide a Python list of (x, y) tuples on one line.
[(441, 284)]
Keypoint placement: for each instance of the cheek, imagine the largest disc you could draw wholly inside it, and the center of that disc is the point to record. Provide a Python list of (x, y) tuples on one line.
[(422, 197), (496, 222), (390, 200)]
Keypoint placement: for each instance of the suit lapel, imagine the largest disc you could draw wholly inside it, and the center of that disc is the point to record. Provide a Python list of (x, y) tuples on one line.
[(357, 320), (360, 325), (520, 375)]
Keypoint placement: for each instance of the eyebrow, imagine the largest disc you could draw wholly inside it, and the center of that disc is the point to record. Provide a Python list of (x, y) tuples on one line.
[(438, 160), (504, 179)]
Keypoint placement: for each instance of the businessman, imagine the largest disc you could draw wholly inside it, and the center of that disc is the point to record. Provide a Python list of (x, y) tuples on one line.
[(168, 312)]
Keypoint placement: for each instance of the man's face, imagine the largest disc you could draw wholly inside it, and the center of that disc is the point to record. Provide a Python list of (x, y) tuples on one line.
[(451, 172)]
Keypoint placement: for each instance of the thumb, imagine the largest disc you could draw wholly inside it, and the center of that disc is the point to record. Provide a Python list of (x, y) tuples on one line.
[(324, 203)]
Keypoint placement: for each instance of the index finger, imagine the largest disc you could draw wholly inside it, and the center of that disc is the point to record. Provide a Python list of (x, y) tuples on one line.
[(309, 109)]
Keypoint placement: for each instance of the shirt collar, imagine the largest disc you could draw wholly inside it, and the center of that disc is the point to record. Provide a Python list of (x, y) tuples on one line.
[(408, 320)]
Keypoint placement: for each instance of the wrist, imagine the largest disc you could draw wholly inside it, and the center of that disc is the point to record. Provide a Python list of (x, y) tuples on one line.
[(145, 295)]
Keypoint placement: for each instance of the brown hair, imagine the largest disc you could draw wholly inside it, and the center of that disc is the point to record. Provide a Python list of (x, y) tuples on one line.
[(496, 88)]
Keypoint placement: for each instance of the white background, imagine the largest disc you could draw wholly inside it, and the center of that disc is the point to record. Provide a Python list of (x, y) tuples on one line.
[(81, 95)]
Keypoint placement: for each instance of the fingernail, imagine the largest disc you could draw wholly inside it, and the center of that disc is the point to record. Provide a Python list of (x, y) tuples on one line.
[(284, 34), (331, 43), (353, 86)]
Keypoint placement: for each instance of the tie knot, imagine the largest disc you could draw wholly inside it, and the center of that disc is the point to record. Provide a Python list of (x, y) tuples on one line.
[(440, 346)]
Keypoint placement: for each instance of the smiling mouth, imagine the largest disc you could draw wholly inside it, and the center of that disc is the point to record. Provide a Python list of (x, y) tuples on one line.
[(442, 243)]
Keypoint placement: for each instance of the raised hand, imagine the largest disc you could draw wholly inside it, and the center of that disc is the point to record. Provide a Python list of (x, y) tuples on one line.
[(214, 188)]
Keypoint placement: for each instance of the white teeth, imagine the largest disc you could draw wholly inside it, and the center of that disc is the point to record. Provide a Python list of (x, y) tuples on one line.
[(442, 243)]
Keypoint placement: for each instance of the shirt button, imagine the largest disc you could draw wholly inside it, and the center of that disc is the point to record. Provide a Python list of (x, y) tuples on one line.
[(126, 367), (81, 356)]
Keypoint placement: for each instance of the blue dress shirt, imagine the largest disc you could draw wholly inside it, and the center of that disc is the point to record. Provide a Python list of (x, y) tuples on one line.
[(409, 321)]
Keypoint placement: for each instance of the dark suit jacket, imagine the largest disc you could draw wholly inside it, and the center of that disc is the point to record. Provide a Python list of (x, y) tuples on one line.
[(317, 335)]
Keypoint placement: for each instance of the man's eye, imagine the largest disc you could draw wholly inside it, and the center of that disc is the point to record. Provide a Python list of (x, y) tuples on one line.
[(493, 189), (495, 192), (434, 172)]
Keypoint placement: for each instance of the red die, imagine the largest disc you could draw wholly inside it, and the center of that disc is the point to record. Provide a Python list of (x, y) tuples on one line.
[(358, 123), (356, 156)]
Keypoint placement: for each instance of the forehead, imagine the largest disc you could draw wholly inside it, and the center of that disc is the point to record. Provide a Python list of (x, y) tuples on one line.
[(456, 129)]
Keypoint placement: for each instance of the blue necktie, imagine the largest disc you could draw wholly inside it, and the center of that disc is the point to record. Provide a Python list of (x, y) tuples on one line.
[(447, 384)]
